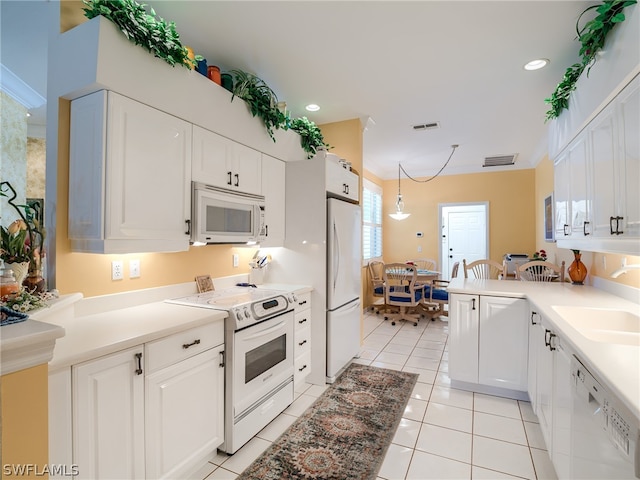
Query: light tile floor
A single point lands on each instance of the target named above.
(445, 433)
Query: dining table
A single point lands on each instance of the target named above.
(427, 276)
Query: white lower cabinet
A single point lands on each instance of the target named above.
(489, 340)
(183, 414)
(302, 339)
(152, 411)
(108, 416)
(552, 391)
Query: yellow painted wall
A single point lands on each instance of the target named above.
(511, 212)
(25, 430)
(598, 264)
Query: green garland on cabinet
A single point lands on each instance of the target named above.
(592, 37)
(153, 34)
(162, 40)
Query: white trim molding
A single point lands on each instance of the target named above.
(13, 85)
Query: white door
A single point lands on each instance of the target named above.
(108, 417)
(344, 255)
(464, 235)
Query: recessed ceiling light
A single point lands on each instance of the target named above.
(536, 64)
(312, 107)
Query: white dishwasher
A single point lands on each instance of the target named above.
(604, 434)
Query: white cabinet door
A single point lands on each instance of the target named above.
(628, 168)
(562, 200)
(544, 382)
(184, 414)
(223, 163)
(129, 177)
(561, 410)
(503, 342)
(342, 182)
(464, 317)
(579, 188)
(604, 151)
(535, 337)
(108, 417)
(273, 189)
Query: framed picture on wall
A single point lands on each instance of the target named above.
(549, 231)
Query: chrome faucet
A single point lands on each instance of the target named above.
(625, 269)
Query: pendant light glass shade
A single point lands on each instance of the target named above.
(399, 214)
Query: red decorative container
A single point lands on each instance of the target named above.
(213, 73)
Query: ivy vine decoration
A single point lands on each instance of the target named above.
(311, 137)
(592, 37)
(262, 101)
(153, 34)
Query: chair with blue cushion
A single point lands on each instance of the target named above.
(436, 303)
(402, 291)
(376, 274)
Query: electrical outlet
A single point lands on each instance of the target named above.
(236, 259)
(134, 268)
(419, 248)
(604, 262)
(117, 268)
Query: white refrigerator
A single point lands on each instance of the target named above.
(322, 249)
(343, 284)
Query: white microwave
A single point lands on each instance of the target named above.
(226, 216)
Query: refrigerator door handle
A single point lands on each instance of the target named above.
(336, 256)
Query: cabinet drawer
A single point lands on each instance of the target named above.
(302, 342)
(177, 347)
(302, 319)
(302, 368)
(303, 301)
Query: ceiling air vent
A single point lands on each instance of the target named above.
(426, 126)
(500, 160)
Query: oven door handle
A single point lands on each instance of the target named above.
(267, 331)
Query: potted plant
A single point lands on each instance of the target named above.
(311, 137)
(262, 101)
(153, 34)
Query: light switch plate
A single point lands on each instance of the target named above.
(134, 268)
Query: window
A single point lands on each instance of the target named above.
(372, 221)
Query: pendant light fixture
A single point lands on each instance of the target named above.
(399, 214)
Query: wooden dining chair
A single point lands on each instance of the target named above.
(376, 274)
(424, 264)
(540, 271)
(485, 269)
(402, 290)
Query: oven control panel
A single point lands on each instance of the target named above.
(245, 315)
(269, 307)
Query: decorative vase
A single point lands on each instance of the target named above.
(20, 270)
(577, 270)
(34, 282)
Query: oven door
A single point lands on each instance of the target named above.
(262, 360)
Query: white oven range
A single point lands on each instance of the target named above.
(258, 356)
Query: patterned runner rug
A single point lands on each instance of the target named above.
(345, 433)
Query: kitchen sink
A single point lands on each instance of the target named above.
(603, 324)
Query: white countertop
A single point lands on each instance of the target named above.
(616, 366)
(102, 325)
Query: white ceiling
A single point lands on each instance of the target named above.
(459, 63)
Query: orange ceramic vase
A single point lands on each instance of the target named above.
(577, 270)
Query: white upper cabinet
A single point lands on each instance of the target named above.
(224, 163)
(596, 179)
(273, 189)
(341, 182)
(129, 177)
